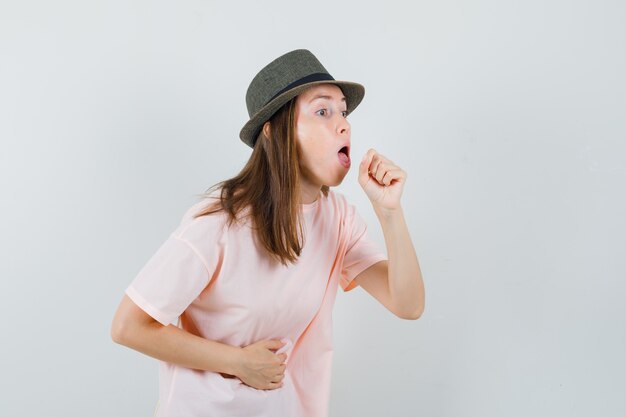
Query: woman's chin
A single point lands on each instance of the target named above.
(330, 180)
(336, 181)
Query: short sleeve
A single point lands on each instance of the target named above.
(361, 251)
(173, 277)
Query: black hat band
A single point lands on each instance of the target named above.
(318, 76)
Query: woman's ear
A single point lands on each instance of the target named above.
(266, 129)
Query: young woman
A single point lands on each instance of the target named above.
(251, 273)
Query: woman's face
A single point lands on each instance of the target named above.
(323, 136)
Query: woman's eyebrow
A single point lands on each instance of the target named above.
(326, 97)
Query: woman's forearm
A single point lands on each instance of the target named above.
(405, 277)
(135, 330)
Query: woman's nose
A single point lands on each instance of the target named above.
(344, 126)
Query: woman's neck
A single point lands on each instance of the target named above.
(309, 193)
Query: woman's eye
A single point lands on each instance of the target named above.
(345, 113)
(322, 112)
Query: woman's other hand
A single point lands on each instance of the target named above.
(382, 180)
(260, 367)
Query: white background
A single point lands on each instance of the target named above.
(509, 117)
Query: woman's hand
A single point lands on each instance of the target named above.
(260, 367)
(381, 180)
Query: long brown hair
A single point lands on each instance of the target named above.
(269, 185)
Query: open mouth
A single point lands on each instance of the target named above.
(344, 156)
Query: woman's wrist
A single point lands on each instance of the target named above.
(234, 360)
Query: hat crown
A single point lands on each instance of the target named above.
(278, 75)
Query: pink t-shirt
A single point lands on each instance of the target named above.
(216, 282)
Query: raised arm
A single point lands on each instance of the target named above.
(398, 283)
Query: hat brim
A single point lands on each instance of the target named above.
(354, 93)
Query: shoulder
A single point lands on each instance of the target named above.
(197, 227)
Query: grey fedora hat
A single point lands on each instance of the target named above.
(283, 79)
